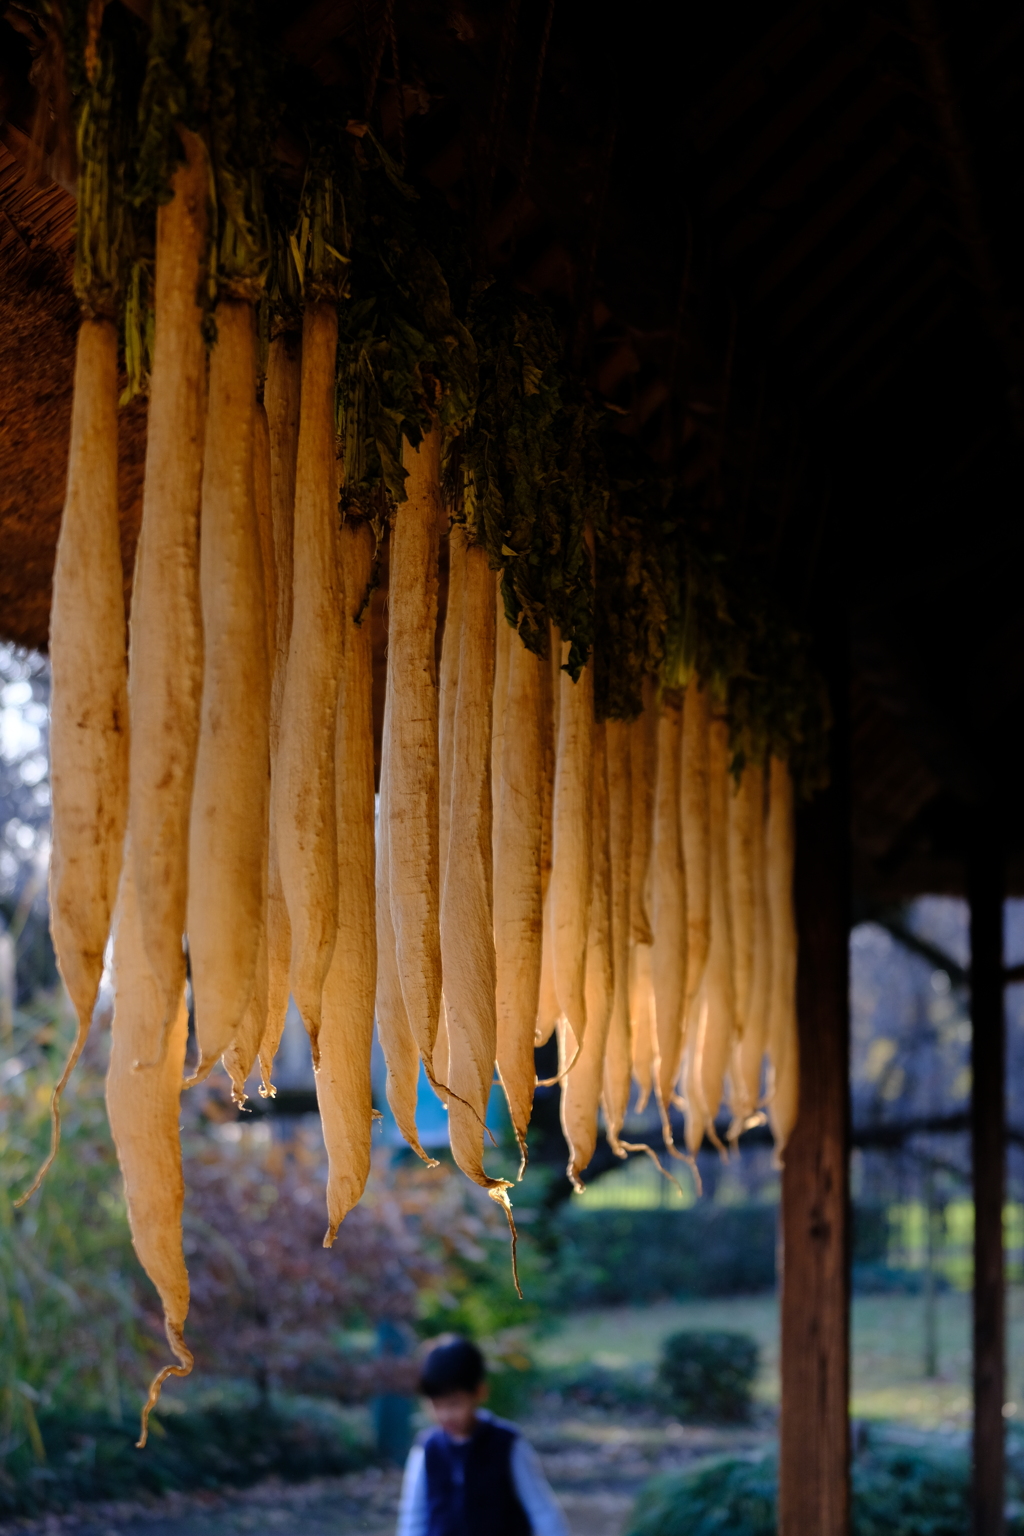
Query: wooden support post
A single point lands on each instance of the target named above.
(988, 1128)
(814, 1428)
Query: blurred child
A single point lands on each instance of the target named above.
(474, 1475)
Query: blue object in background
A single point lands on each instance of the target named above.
(392, 1413)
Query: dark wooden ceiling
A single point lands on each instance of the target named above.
(785, 242)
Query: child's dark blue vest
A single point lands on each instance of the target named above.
(470, 1491)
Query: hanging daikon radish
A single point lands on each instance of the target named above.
(346, 1033)
(518, 910)
(668, 911)
(642, 753)
(143, 1107)
(447, 692)
(282, 395)
(582, 1081)
(241, 1054)
(642, 1022)
(571, 849)
(303, 792)
(401, 1055)
(229, 826)
(783, 1042)
(741, 818)
(618, 1063)
(694, 827)
(502, 650)
(413, 808)
(88, 695)
(716, 1027)
(748, 1052)
(547, 1002)
(166, 654)
(467, 910)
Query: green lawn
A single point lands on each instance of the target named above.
(888, 1348)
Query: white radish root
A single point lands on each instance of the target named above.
(748, 1053)
(88, 696)
(518, 913)
(642, 753)
(413, 804)
(716, 1027)
(467, 912)
(547, 1002)
(582, 1081)
(401, 1055)
(696, 835)
(282, 396)
(571, 846)
(303, 791)
(343, 1085)
(229, 826)
(668, 911)
(642, 1022)
(618, 1065)
(783, 1043)
(143, 1106)
(166, 653)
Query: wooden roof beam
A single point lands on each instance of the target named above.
(909, 251)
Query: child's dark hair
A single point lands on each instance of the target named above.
(456, 1366)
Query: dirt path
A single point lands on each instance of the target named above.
(596, 1462)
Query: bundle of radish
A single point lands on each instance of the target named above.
(782, 1043)
(642, 757)
(343, 1081)
(281, 394)
(89, 673)
(581, 1062)
(668, 911)
(518, 795)
(618, 1051)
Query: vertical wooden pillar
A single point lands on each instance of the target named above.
(988, 1114)
(814, 1430)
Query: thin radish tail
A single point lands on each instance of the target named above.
(55, 1114)
(183, 1355)
(498, 1192)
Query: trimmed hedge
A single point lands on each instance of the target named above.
(90, 1456)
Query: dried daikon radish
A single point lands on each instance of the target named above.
(618, 1065)
(518, 912)
(346, 1032)
(282, 395)
(668, 911)
(642, 754)
(582, 1079)
(642, 1021)
(413, 809)
(166, 653)
(783, 1043)
(304, 811)
(88, 695)
(571, 846)
(467, 911)
(547, 1002)
(229, 826)
(143, 1105)
(748, 1052)
(716, 1027)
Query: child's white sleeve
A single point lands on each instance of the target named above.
(534, 1490)
(412, 1509)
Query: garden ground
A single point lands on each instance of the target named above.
(598, 1459)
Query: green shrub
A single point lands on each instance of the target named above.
(726, 1498)
(90, 1456)
(597, 1386)
(708, 1375)
(897, 1491)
